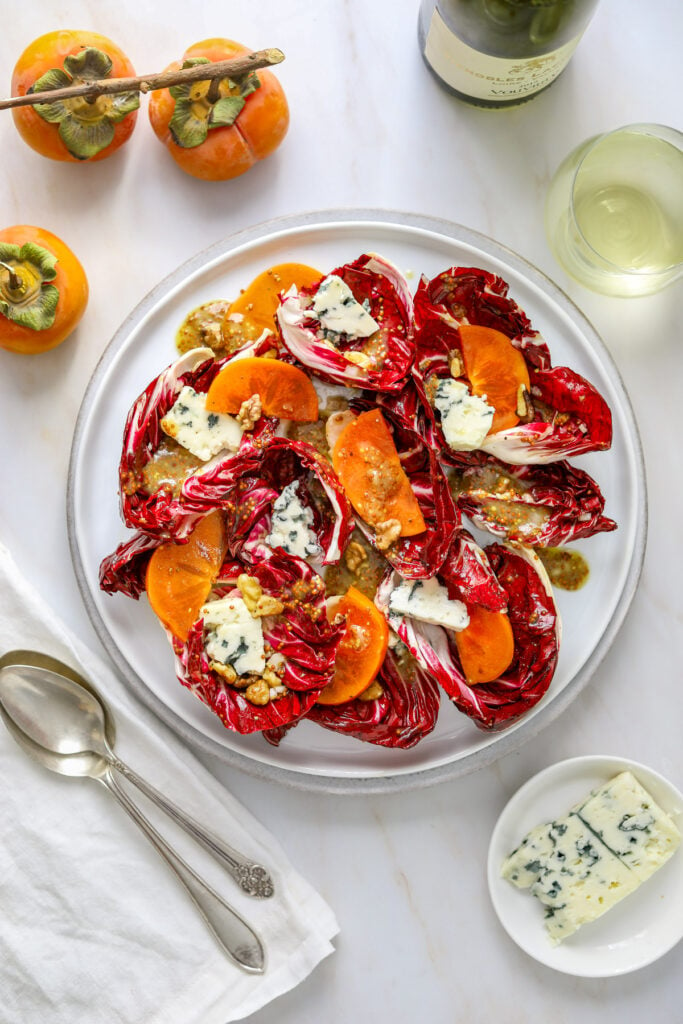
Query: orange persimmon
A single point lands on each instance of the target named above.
(74, 130)
(362, 649)
(222, 137)
(367, 463)
(496, 369)
(285, 390)
(179, 577)
(43, 289)
(486, 646)
(259, 301)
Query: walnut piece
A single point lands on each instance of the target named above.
(226, 672)
(525, 409)
(386, 533)
(258, 692)
(354, 556)
(250, 412)
(456, 364)
(359, 358)
(251, 591)
(373, 691)
(267, 605)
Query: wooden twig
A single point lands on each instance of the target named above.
(236, 67)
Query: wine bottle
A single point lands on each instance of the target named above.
(497, 53)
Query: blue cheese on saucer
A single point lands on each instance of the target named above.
(581, 865)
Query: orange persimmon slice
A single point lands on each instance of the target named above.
(367, 463)
(496, 369)
(285, 390)
(180, 576)
(260, 299)
(486, 647)
(361, 651)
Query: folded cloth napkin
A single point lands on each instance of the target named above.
(94, 928)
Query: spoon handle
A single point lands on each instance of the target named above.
(235, 936)
(251, 877)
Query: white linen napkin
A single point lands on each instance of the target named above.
(94, 928)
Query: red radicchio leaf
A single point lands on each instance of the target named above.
(162, 513)
(468, 575)
(572, 416)
(123, 572)
(250, 506)
(404, 714)
(301, 634)
(536, 630)
(370, 278)
(535, 505)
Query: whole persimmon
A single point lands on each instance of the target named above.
(218, 131)
(43, 289)
(77, 129)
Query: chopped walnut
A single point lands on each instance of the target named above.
(430, 388)
(226, 672)
(386, 533)
(525, 409)
(267, 605)
(271, 677)
(354, 556)
(251, 591)
(258, 692)
(169, 427)
(456, 365)
(250, 412)
(373, 691)
(359, 358)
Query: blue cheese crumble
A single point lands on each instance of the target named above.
(581, 865)
(339, 312)
(428, 601)
(233, 636)
(291, 525)
(203, 433)
(465, 418)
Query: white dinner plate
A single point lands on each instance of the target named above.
(311, 756)
(635, 932)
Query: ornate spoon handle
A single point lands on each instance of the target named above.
(235, 936)
(251, 877)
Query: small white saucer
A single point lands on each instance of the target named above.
(635, 932)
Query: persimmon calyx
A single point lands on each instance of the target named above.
(200, 106)
(86, 124)
(26, 296)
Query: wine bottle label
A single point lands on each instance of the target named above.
(484, 77)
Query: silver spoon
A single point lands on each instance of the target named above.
(63, 712)
(38, 732)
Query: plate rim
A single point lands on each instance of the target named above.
(564, 768)
(505, 743)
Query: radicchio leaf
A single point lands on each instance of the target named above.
(536, 630)
(404, 714)
(301, 634)
(534, 505)
(569, 416)
(378, 283)
(162, 513)
(123, 572)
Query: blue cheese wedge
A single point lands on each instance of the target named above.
(233, 636)
(338, 310)
(203, 433)
(627, 819)
(465, 418)
(291, 525)
(581, 865)
(428, 601)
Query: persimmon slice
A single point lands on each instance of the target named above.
(180, 576)
(486, 647)
(361, 651)
(285, 390)
(367, 463)
(496, 369)
(260, 299)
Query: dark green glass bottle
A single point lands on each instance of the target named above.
(497, 53)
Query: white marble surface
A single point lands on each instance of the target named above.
(370, 127)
